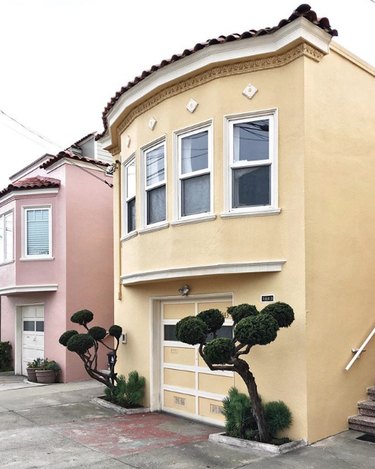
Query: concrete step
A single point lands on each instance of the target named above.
(362, 423)
(367, 408)
(371, 393)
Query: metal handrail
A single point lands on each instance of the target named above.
(360, 350)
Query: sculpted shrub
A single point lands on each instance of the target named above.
(251, 328)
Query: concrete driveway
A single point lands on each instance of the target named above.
(57, 426)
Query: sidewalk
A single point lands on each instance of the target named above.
(57, 426)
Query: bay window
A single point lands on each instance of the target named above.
(129, 196)
(252, 163)
(155, 184)
(194, 152)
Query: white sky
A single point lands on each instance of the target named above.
(62, 60)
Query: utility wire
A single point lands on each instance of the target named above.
(60, 147)
(31, 130)
(91, 174)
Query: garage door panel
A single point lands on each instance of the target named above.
(32, 334)
(179, 402)
(179, 355)
(178, 311)
(221, 306)
(184, 379)
(214, 383)
(211, 408)
(188, 386)
(33, 342)
(202, 363)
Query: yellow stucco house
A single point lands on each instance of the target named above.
(245, 173)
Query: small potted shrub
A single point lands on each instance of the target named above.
(47, 372)
(31, 369)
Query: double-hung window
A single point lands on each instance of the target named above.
(38, 232)
(194, 150)
(129, 196)
(6, 237)
(155, 184)
(252, 149)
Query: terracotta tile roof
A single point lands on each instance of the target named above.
(72, 156)
(35, 182)
(303, 11)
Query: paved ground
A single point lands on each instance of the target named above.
(57, 426)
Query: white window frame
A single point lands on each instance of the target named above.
(272, 208)
(3, 247)
(125, 232)
(179, 135)
(37, 256)
(144, 151)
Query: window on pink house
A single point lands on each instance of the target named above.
(38, 232)
(6, 237)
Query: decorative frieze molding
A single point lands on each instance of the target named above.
(220, 71)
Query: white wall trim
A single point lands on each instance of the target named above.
(299, 30)
(82, 164)
(31, 192)
(196, 219)
(14, 290)
(202, 270)
(252, 213)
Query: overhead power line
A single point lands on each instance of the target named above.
(33, 132)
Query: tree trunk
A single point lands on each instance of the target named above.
(243, 370)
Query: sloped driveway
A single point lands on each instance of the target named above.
(57, 427)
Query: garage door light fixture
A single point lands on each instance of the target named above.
(184, 290)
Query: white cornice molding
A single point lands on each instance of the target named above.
(19, 289)
(82, 164)
(203, 270)
(339, 49)
(299, 30)
(20, 193)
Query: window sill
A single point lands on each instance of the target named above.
(155, 227)
(130, 235)
(194, 220)
(6, 262)
(257, 213)
(36, 258)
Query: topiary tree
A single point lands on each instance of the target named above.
(251, 327)
(86, 346)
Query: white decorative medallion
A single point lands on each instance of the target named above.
(191, 105)
(127, 141)
(249, 91)
(152, 123)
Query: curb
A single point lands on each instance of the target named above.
(119, 409)
(255, 445)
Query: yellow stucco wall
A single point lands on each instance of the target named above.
(280, 367)
(325, 221)
(340, 233)
(235, 239)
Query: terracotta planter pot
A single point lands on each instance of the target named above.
(31, 374)
(46, 376)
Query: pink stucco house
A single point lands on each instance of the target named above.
(56, 253)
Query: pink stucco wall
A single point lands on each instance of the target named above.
(82, 264)
(89, 253)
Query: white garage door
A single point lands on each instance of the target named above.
(32, 334)
(189, 387)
